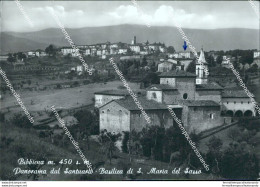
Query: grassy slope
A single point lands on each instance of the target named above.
(28, 142)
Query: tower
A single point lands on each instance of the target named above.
(134, 40)
(201, 77)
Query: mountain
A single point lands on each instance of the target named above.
(11, 44)
(213, 39)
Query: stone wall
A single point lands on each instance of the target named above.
(158, 118)
(186, 85)
(197, 119)
(114, 118)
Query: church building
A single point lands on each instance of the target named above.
(195, 100)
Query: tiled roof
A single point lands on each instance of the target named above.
(129, 104)
(229, 93)
(200, 103)
(161, 87)
(177, 73)
(209, 86)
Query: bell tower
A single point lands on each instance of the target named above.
(201, 76)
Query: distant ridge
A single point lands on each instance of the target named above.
(210, 39)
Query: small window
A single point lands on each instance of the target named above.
(235, 102)
(227, 102)
(154, 95)
(211, 116)
(108, 110)
(242, 102)
(248, 102)
(103, 111)
(185, 96)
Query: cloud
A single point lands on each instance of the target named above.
(88, 14)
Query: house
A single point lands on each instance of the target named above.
(165, 66)
(69, 50)
(136, 48)
(186, 54)
(122, 51)
(99, 52)
(3, 58)
(88, 51)
(114, 45)
(31, 54)
(256, 54)
(226, 60)
(93, 52)
(153, 47)
(113, 51)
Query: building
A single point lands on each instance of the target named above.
(237, 103)
(124, 115)
(256, 54)
(136, 48)
(165, 66)
(197, 102)
(134, 41)
(201, 65)
(69, 50)
(122, 51)
(103, 97)
(3, 58)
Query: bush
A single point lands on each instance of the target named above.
(21, 121)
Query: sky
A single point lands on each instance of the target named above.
(78, 14)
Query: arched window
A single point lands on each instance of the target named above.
(185, 96)
(211, 116)
(154, 95)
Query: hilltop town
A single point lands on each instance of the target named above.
(98, 105)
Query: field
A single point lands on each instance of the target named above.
(61, 98)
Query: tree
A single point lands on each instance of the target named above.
(191, 67)
(11, 58)
(219, 59)
(237, 163)
(151, 78)
(170, 49)
(51, 50)
(214, 144)
(21, 55)
(22, 121)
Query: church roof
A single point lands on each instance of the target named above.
(161, 87)
(209, 86)
(202, 59)
(177, 73)
(201, 103)
(234, 93)
(129, 104)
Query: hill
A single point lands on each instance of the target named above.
(211, 39)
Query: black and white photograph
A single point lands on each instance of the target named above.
(130, 90)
